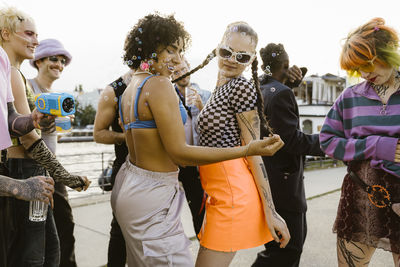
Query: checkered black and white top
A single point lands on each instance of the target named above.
(217, 124)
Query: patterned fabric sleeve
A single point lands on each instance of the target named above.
(336, 144)
(243, 96)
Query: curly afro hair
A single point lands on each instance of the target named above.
(150, 34)
(273, 56)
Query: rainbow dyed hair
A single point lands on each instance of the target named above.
(373, 42)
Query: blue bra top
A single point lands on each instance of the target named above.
(145, 124)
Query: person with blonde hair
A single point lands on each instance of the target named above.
(240, 212)
(11, 123)
(30, 243)
(363, 129)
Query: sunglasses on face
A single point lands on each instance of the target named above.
(240, 57)
(55, 59)
(369, 67)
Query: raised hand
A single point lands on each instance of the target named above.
(294, 74)
(194, 98)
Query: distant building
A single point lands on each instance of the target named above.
(89, 98)
(315, 96)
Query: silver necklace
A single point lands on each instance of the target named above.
(142, 72)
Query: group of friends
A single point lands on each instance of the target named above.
(236, 153)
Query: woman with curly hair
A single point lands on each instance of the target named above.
(146, 197)
(236, 218)
(363, 129)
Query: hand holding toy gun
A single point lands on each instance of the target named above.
(57, 104)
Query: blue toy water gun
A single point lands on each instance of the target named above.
(63, 124)
(57, 104)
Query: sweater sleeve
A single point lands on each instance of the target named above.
(336, 144)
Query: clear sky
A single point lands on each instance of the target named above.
(312, 31)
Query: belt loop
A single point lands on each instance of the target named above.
(3, 156)
(20, 167)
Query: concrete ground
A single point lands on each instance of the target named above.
(93, 216)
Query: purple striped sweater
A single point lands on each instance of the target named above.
(360, 127)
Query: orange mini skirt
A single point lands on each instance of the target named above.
(234, 218)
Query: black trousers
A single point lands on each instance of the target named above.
(189, 176)
(65, 226)
(30, 243)
(289, 256)
(116, 246)
(116, 256)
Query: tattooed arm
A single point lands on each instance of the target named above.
(18, 125)
(249, 124)
(33, 144)
(35, 188)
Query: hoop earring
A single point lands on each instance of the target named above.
(267, 70)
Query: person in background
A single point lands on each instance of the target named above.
(193, 99)
(50, 60)
(34, 188)
(107, 116)
(363, 129)
(31, 243)
(285, 169)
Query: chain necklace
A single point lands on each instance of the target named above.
(142, 72)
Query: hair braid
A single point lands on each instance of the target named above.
(264, 125)
(202, 65)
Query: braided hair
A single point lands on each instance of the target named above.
(264, 125)
(241, 27)
(204, 63)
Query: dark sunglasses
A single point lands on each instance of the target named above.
(240, 57)
(55, 59)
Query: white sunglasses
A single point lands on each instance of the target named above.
(242, 58)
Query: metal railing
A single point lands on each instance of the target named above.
(90, 165)
(93, 165)
(312, 163)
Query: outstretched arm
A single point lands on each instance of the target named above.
(37, 147)
(172, 134)
(284, 120)
(249, 124)
(19, 125)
